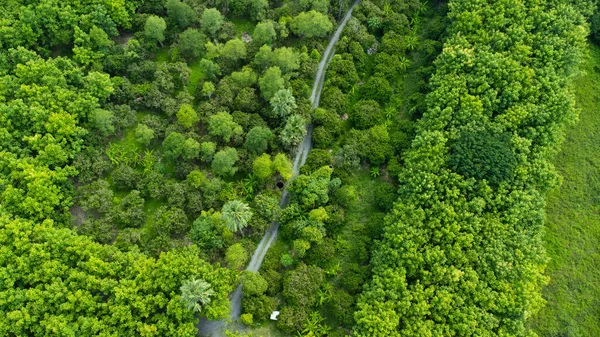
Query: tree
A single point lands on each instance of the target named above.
(259, 9)
(286, 59)
(283, 166)
(234, 50)
(205, 231)
(144, 134)
(126, 282)
(154, 29)
(483, 155)
(186, 116)
(263, 58)
(283, 103)
(207, 150)
(262, 166)
(365, 114)
(294, 131)
(270, 82)
(211, 21)
(222, 125)
(224, 161)
(209, 69)
(180, 14)
(103, 121)
(191, 44)
(300, 286)
(208, 89)
(236, 256)
(311, 24)
(264, 32)
(378, 89)
(266, 205)
(173, 145)
(196, 294)
(312, 190)
(253, 284)
(191, 149)
(257, 139)
(236, 215)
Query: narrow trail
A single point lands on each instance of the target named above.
(215, 328)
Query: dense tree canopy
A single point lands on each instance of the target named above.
(461, 253)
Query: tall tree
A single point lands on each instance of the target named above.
(196, 294)
(236, 215)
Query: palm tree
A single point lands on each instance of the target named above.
(411, 42)
(236, 215)
(195, 294)
(403, 63)
(283, 103)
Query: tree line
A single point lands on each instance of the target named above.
(461, 251)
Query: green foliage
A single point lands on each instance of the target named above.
(46, 261)
(236, 215)
(312, 190)
(144, 134)
(196, 294)
(253, 284)
(247, 319)
(224, 161)
(283, 166)
(262, 166)
(180, 13)
(209, 69)
(311, 24)
(446, 264)
(294, 130)
(236, 256)
(483, 155)
(222, 125)
(257, 139)
(186, 116)
(173, 145)
(271, 82)
(283, 103)
(205, 231)
(234, 50)
(207, 151)
(211, 21)
(264, 33)
(154, 29)
(191, 44)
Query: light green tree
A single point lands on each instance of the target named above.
(187, 116)
(211, 21)
(196, 294)
(236, 215)
(144, 134)
(224, 161)
(262, 166)
(264, 33)
(271, 82)
(311, 24)
(283, 103)
(154, 29)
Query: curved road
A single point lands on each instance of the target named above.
(215, 328)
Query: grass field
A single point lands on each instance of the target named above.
(573, 221)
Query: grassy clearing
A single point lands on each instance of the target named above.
(195, 76)
(267, 329)
(573, 221)
(242, 25)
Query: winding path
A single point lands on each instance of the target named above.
(215, 328)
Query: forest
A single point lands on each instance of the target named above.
(363, 168)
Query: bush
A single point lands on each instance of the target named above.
(246, 319)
